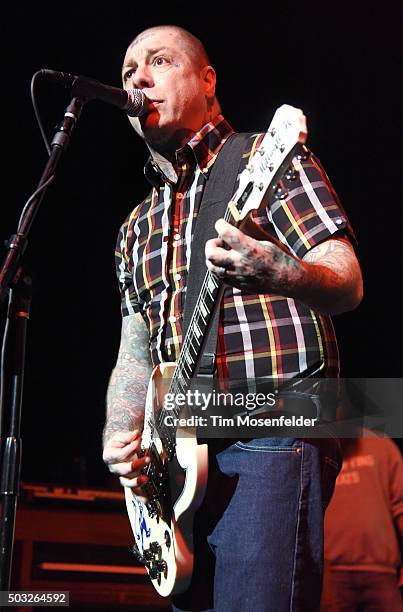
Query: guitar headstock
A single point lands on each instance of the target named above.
(288, 127)
(286, 132)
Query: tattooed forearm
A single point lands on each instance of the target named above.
(129, 380)
(328, 279)
(265, 268)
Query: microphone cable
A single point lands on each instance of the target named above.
(36, 110)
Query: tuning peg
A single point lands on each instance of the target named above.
(291, 174)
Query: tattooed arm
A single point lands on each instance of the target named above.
(125, 402)
(328, 279)
(332, 281)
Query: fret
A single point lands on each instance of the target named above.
(177, 386)
(188, 358)
(203, 310)
(195, 349)
(211, 285)
(204, 320)
(177, 390)
(202, 315)
(197, 332)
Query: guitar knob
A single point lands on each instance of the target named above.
(154, 573)
(162, 567)
(155, 548)
(158, 568)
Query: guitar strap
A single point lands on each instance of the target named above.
(218, 191)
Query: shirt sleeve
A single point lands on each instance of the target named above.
(130, 303)
(312, 212)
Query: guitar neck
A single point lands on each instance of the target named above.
(206, 305)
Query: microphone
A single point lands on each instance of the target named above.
(132, 101)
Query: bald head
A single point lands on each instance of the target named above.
(182, 38)
(172, 68)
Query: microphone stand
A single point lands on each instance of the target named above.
(16, 282)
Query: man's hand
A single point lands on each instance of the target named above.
(255, 266)
(120, 455)
(328, 279)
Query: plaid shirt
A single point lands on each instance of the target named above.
(259, 335)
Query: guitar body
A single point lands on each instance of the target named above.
(163, 526)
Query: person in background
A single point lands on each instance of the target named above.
(364, 528)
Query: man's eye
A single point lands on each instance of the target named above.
(161, 63)
(128, 75)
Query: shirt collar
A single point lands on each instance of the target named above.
(202, 150)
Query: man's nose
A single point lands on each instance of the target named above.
(142, 78)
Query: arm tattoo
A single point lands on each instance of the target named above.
(128, 384)
(335, 269)
(335, 254)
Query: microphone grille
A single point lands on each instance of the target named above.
(136, 102)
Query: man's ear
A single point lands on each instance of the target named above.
(208, 77)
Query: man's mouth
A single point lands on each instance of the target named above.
(153, 106)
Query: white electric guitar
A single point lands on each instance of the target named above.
(163, 526)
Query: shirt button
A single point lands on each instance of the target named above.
(177, 277)
(339, 221)
(177, 237)
(172, 319)
(179, 196)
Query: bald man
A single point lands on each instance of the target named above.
(263, 549)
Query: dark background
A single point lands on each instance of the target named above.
(337, 62)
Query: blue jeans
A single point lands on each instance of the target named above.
(259, 532)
